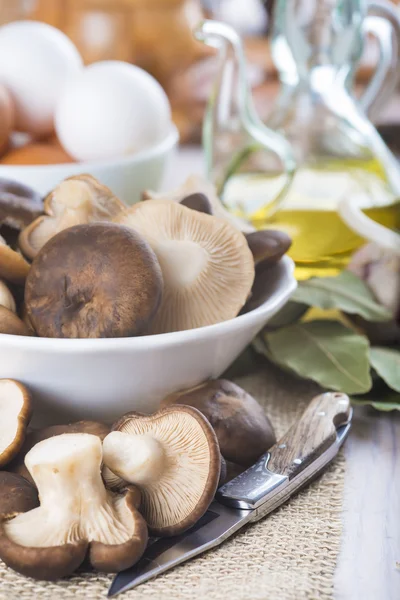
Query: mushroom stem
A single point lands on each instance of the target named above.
(137, 459)
(74, 503)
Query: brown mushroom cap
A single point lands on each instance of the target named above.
(6, 297)
(198, 202)
(51, 541)
(19, 204)
(76, 200)
(15, 414)
(207, 267)
(91, 281)
(13, 266)
(173, 457)
(17, 465)
(11, 324)
(198, 185)
(268, 245)
(17, 495)
(243, 430)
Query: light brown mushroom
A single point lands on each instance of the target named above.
(174, 459)
(11, 324)
(6, 297)
(77, 516)
(15, 414)
(33, 437)
(76, 200)
(207, 267)
(17, 495)
(243, 430)
(19, 204)
(198, 185)
(92, 281)
(13, 266)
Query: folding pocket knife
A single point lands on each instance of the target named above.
(301, 454)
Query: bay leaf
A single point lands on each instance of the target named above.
(381, 397)
(324, 351)
(290, 313)
(386, 362)
(345, 292)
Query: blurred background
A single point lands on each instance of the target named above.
(157, 36)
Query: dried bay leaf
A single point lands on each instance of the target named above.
(346, 292)
(324, 351)
(386, 362)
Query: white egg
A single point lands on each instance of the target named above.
(111, 109)
(36, 60)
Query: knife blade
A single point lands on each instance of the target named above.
(299, 456)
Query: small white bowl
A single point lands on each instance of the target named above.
(127, 176)
(101, 379)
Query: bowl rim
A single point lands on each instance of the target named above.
(60, 345)
(170, 140)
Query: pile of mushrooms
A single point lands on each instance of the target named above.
(87, 493)
(81, 264)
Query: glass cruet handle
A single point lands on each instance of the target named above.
(223, 36)
(383, 23)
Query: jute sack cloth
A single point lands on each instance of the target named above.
(290, 555)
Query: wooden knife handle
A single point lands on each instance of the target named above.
(311, 436)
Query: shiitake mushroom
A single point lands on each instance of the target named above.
(92, 281)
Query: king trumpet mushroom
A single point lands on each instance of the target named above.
(77, 516)
(243, 430)
(207, 266)
(93, 281)
(77, 200)
(173, 457)
(15, 414)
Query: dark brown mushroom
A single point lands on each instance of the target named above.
(268, 246)
(198, 202)
(51, 541)
(11, 324)
(92, 281)
(35, 436)
(17, 495)
(15, 414)
(243, 430)
(19, 204)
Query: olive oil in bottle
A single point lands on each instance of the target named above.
(322, 242)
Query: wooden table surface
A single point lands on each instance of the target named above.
(369, 563)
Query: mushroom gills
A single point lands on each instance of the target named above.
(74, 505)
(173, 457)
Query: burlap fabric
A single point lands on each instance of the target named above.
(291, 555)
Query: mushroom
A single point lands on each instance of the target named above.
(16, 495)
(19, 204)
(198, 185)
(207, 267)
(35, 436)
(76, 200)
(13, 266)
(77, 516)
(11, 324)
(268, 246)
(243, 430)
(6, 297)
(199, 202)
(174, 459)
(15, 414)
(92, 281)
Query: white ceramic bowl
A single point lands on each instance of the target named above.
(102, 379)
(127, 176)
